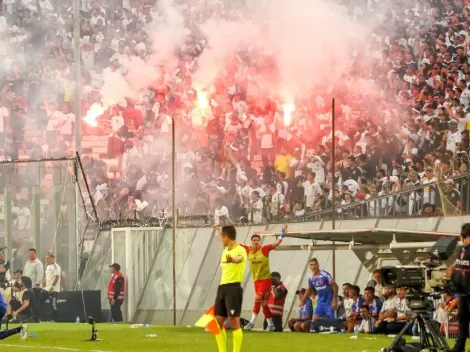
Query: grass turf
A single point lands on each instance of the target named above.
(120, 338)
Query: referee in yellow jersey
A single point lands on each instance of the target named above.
(228, 303)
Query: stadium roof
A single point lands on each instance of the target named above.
(370, 236)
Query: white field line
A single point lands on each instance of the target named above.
(58, 348)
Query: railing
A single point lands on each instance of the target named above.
(422, 200)
(413, 201)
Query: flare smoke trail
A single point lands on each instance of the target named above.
(311, 42)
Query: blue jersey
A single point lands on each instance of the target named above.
(375, 306)
(356, 306)
(3, 303)
(307, 309)
(322, 284)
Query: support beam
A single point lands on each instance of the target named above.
(298, 234)
(365, 247)
(412, 245)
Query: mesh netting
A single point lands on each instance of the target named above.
(44, 204)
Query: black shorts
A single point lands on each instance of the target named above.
(228, 302)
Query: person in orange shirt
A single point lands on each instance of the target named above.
(258, 255)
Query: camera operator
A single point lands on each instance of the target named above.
(459, 273)
(20, 302)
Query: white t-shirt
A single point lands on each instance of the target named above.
(257, 212)
(52, 270)
(267, 136)
(277, 202)
(319, 171)
(463, 122)
(55, 119)
(400, 306)
(223, 211)
(453, 139)
(311, 192)
(347, 304)
(66, 129)
(166, 124)
(388, 304)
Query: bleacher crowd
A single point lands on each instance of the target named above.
(236, 158)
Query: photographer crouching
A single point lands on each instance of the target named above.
(459, 273)
(19, 299)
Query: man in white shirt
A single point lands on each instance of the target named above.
(277, 200)
(51, 283)
(398, 314)
(34, 269)
(266, 134)
(311, 189)
(255, 209)
(387, 312)
(453, 136)
(347, 302)
(376, 283)
(367, 325)
(221, 212)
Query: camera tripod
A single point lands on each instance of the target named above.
(430, 336)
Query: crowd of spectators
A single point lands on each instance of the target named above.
(236, 159)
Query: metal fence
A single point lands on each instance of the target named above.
(431, 199)
(44, 204)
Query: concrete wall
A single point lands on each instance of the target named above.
(198, 252)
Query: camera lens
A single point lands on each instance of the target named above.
(389, 277)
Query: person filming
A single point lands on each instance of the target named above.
(459, 273)
(19, 305)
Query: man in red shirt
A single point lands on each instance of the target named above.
(258, 256)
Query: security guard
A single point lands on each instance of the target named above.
(459, 273)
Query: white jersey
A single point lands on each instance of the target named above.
(347, 304)
(52, 270)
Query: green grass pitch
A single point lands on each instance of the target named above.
(122, 338)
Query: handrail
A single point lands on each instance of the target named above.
(384, 197)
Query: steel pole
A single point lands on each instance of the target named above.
(175, 213)
(333, 197)
(77, 42)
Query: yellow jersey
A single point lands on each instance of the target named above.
(233, 272)
(260, 269)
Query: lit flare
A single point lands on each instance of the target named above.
(202, 100)
(287, 109)
(93, 113)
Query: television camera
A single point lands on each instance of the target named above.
(424, 284)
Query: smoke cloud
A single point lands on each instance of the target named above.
(311, 43)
